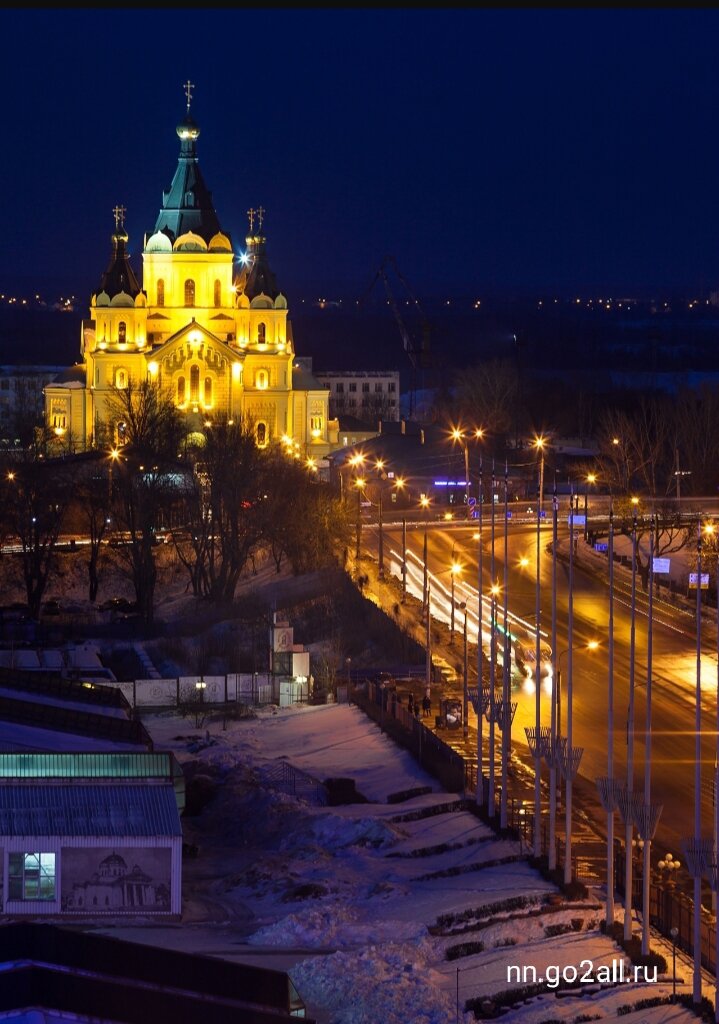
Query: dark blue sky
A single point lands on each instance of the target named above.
(556, 151)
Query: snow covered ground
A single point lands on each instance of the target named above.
(365, 904)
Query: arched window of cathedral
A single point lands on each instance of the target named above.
(160, 292)
(261, 434)
(194, 383)
(122, 332)
(261, 334)
(180, 390)
(189, 292)
(262, 380)
(218, 293)
(208, 391)
(121, 379)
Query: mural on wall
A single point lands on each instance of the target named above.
(102, 880)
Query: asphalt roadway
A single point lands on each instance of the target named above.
(674, 660)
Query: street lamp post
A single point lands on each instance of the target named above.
(359, 484)
(674, 932)
(454, 571)
(459, 437)
(492, 701)
(591, 479)
(424, 503)
(539, 443)
(506, 722)
(627, 809)
(480, 642)
(404, 559)
(465, 693)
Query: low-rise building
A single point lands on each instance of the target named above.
(370, 395)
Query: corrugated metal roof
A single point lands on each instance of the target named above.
(94, 810)
(99, 765)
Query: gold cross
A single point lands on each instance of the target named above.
(119, 212)
(251, 214)
(188, 87)
(261, 215)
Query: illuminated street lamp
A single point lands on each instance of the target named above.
(459, 437)
(539, 443)
(494, 591)
(591, 481)
(424, 503)
(359, 483)
(455, 569)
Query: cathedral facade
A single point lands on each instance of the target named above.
(211, 331)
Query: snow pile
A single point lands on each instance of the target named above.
(336, 924)
(391, 985)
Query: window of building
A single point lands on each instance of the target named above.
(340, 388)
(365, 387)
(194, 383)
(353, 387)
(180, 390)
(262, 379)
(261, 334)
(365, 401)
(315, 425)
(31, 876)
(160, 292)
(208, 391)
(378, 388)
(189, 292)
(122, 332)
(261, 434)
(392, 387)
(353, 403)
(218, 293)
(121, 379)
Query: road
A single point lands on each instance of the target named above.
(674, 662)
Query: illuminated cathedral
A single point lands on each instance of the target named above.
(211, 329)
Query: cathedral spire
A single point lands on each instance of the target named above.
(119, 275)
(187, 204)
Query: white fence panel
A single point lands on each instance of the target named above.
(159, 693)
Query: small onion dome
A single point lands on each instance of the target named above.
(122, 299)
(261, 301)
(159, 242)
(120, 235)
(220, 243)
(188, 129)
(102, 299)
(190, 242)
(280, 302)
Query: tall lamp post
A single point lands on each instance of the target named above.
(539, 443)
(454, 570)
(424, 505)
(591, 645)
(459, 437)
(359, 483)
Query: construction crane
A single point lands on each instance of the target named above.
(417, 349)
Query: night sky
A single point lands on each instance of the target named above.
(508, 151)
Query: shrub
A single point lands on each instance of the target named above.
(464, 949)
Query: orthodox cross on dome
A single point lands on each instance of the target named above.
(188, 87)
(251, 214)
(261, 215)
(119, 212)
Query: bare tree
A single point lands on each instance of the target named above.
(696, 415)
(36, 494)
(146, 478)
(487, 394)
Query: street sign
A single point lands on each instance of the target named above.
(704, 583)
(662, 565)
(542, 515)
(577, 520)
(603, 546)
(509, 515)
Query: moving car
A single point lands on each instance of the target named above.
(525, 654)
